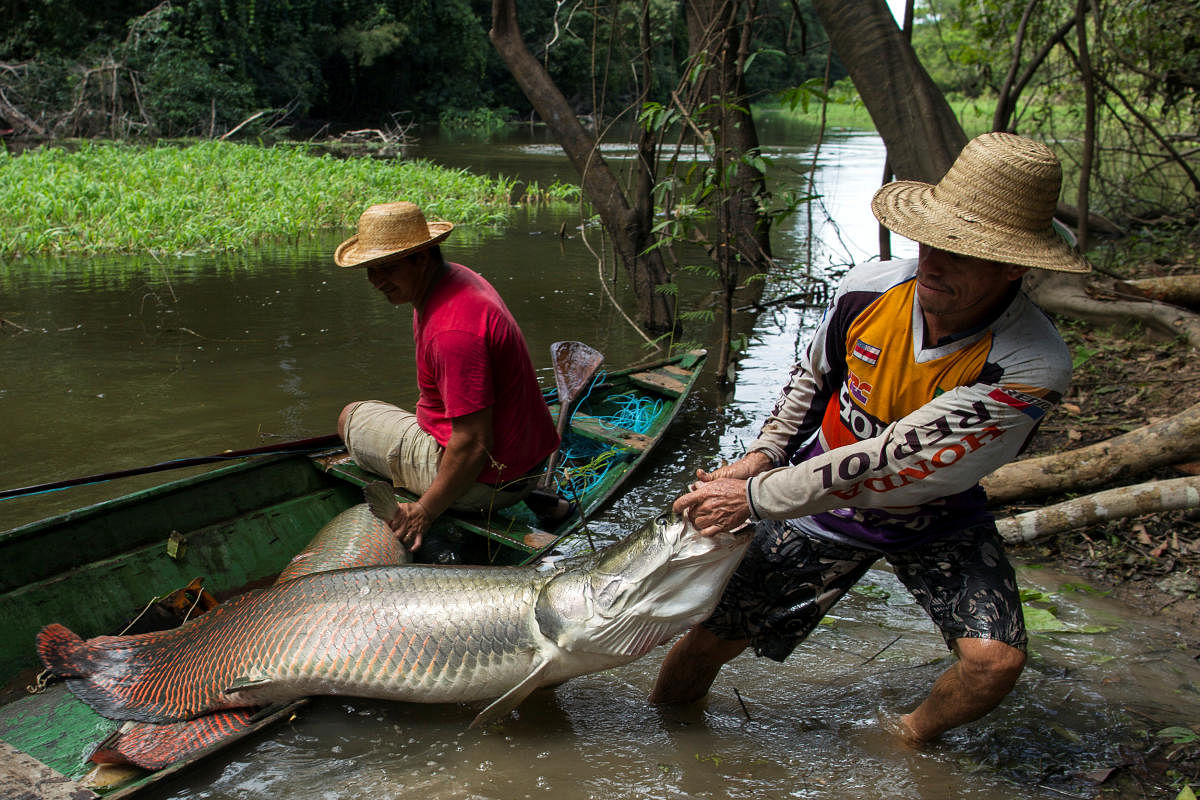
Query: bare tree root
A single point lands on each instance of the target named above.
(1171, 441)
(1126, 501)
(1067, 295)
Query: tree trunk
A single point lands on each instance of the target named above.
(1126, 501)
(1171, 441)
(628, 224)
(918, 126)
(1089, 122)
(718, 40)
(719, 33)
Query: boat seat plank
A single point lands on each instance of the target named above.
(593, 428)
(662, 381)
(23, 777)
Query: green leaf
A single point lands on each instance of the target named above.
(1179, 735)
(872, 591)
(1042, 621)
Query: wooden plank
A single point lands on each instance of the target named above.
(592, 428)
(23, 777)
(656, 381)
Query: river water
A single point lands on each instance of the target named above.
(114, 363)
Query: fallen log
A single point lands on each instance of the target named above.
(1126, 501)
(1170, 441)
(1067, 295)
(1178, 290)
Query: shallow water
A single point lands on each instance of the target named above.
(131, 361)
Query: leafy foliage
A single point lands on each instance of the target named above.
(203, 66)
(1146, 64)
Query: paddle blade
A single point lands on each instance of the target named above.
(574, 365)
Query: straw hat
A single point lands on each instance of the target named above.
(387, 232)
(996, 202)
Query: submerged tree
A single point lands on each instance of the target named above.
(627, 214)
(708, 188)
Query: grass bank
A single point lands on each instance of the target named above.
(846, 110)
(114, 198)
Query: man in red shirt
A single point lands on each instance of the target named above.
(482, 431)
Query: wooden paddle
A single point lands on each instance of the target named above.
(574, 366)
(296, 446)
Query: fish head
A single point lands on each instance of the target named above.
(640, 591)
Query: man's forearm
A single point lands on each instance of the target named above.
(459, 468)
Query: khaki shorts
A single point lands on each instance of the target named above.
(388, 441)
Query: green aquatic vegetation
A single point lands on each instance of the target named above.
(114, 198)
(1177, 734)
(871, 590)
(1042, 615)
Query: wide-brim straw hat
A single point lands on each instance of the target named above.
(387, 232)
(996, 202)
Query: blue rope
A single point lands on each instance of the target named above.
(585, 464)
(634, 412)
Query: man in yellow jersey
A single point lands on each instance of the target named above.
(923, 376)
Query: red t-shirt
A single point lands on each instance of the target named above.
(471, 355)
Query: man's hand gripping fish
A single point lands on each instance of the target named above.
(414, 633)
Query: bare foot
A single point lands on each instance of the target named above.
(898, 726)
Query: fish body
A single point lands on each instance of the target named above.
(418, 633)
(357, 537)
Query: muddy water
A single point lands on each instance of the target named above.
(132, 361)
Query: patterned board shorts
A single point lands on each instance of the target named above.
(789, 579)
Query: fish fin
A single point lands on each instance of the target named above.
(63, 652)
(156, 746)
(381, 499)
(243, 682)
(512, 698)
(632, 637)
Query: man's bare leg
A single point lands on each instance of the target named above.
(984, 674)
(692, 665)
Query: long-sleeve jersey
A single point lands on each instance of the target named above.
(882, 439)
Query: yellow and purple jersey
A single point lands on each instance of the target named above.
(881, 436)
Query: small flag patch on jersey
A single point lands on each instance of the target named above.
(1026, 404)
(865, 352)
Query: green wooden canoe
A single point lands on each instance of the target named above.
(96, 568)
